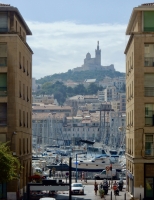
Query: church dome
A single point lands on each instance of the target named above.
(88, 56)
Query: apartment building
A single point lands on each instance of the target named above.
(140, 102)
(15, 92)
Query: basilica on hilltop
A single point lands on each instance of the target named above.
(94, 63)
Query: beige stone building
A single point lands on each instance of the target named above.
(140, 102)
(15, 91)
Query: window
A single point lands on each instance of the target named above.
(148, 21)
(16, 26)
(20, 124)
(3, 114)
(149, 114)
(149, 145)
(24, 145)
(149, 55)
(27, 119)
(24, 118)
(3, 54)
(24, 64)
(3, 84)
(27, 68)
(3, 22)
(149, 85)
(23, 91)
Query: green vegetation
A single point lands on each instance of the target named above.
(61, 92)
(99, 75)
(9, 164)
(52, 85)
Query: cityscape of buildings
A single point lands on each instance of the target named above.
(112, 117)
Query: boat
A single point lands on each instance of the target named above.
(96, 164)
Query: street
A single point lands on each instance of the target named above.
(90, 195)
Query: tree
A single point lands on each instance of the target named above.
(9, 164)
(80, 89)
(92, 88)
(60, 97)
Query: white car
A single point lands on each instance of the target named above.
(77, 188)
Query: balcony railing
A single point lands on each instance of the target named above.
(3, 91)
(149, 61)
(149, 91)
(3, 122)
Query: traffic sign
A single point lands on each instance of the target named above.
(107, 168)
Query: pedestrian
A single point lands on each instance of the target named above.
(95, 187)
(82, 177)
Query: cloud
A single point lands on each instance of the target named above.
(61, 46)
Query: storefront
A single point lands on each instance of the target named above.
(149, 181)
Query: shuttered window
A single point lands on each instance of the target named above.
(149, 85)
(3, 22)
(149, 21)
(149, 80)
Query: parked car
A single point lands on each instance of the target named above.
(77, 188)
(106, 174)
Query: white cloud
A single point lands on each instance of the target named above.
(61, 46)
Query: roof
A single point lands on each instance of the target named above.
(7, 7)
(41, 116)
(143, 7)
(90, 80)
(49, 107)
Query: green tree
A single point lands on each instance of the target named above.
(9, 165)
(60, 98)
(80, 89)
(92, 88)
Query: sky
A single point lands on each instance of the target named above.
(64, 31)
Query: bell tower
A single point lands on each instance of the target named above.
(98, 55)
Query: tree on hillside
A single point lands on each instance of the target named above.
(92, 88)
(9, 165)
(60, 97)
(80, 89)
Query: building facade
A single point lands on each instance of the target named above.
(15, 92)
(140, 102)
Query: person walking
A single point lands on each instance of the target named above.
(83, 176)
(95, 187)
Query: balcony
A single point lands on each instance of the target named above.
(3, 122)
(149, 61)
(149, 91)
(3, 91)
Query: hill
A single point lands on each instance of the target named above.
(80, 76)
